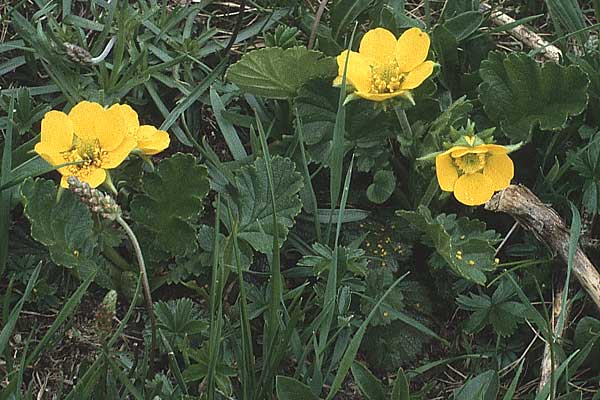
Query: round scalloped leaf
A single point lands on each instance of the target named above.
(519, 94)
(384, 183)
(65, 226)
(277, 73)
(250, 202)
(173, 198)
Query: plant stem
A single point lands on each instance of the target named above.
(145, 284)
(401, 114)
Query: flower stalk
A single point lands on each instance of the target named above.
(105, 206)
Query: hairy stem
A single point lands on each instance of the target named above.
(145, 284)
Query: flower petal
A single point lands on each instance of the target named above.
(117, 155)
(418, 75)
(500, 169)
(378, 46)
(379, 96)
(468, 150)
(473, 189)
(85, 115)
(129, 116)
(95, 177)
(57, 131)
(495, 148)
(49, 153)
(412, 49)
(446, 172)
(151, 140)
(111, 130)
(359, 70)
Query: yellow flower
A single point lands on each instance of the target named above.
(474, 173)
(89, 134)
(149, 140)
(384, 67)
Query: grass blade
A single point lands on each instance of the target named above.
(247, 366)
(64, 313)
(352, 349)
(227, 129)
(11, 322)
(216, 304)
(6, 197)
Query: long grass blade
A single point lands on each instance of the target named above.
(276, 293)
(352, 349)
(216, 304)
(64, 313)
(6, 197)
(11, 322)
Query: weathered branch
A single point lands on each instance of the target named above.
(524, 35)
(546, 368)
(547, 226)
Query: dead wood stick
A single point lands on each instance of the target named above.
(524, 35)
(546, 369)
(547, 226)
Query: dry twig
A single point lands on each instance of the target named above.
(547, 226)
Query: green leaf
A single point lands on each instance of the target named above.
(292, 389)
(277, 73)
(401, 389)
(250, 202)
(588, 328)
(172, 199)
(463, 25)
(384, 183)
(481, 387)
(345, 12)
(519, 94)
(464, 244)
(368, 384)
(65, 227)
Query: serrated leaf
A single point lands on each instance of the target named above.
(519, 94)
(250, 202)
(384, 183)
(172, 199)
(464, 244)
(64, 227)
(277, 73)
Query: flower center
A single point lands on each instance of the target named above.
(386, 78)
(470, 163)
(89, 154)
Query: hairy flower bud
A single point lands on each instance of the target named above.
(96, 200)
(77, 54)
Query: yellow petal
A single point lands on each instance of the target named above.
(412, 49)
(418, 75)
(85, 117)
(57, 131)
(473, 189)
(378, 46)
(119, 154)
(468, 150)
(95, 177)
(494, 148)
(379, 96)
(151, 140)
(129, 116)
(111, 130)
(500, 169)
(48, 153)
(359, 70)
(446, 172)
